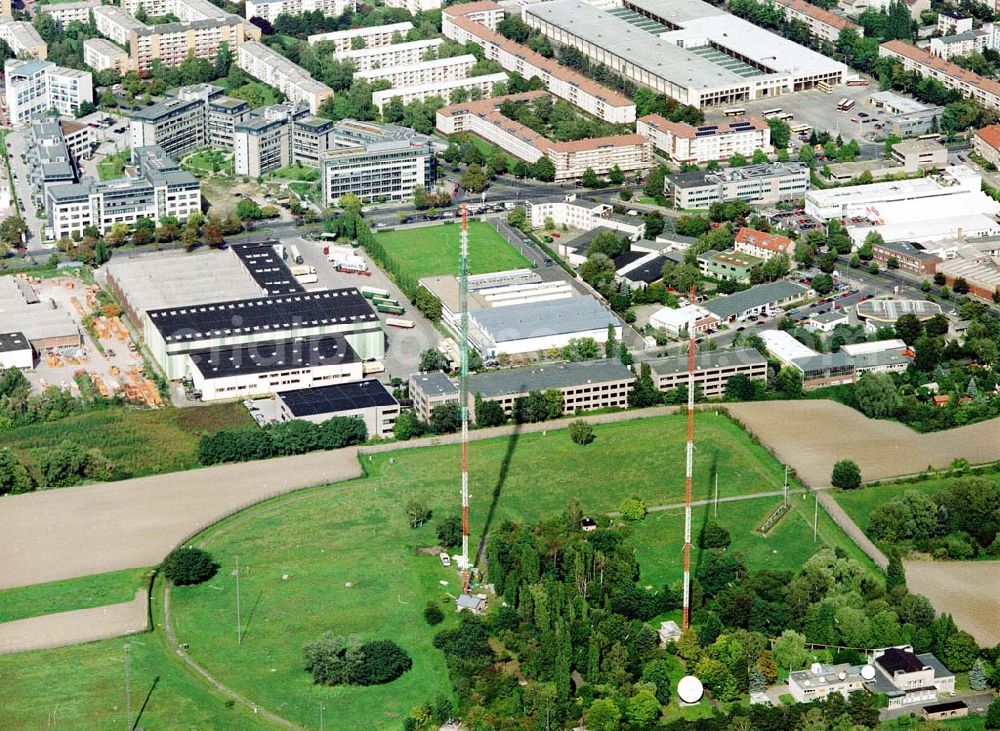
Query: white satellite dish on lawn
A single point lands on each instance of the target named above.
(868, 672)
(690, 689)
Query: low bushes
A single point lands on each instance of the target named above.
(242, 444)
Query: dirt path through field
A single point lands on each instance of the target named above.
(968, 590)
(811, 436)
(74, 627)
(91, 529)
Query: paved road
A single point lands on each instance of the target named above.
(75, 627)
(91, 529)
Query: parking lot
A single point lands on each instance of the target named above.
(819, 111)
(403, 345)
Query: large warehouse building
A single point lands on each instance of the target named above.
(687, 49)
(172, 333)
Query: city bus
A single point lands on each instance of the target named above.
(800, 129)
(771, 112)
(845, 105)
(398, 322)
(373, 292)
(824, 87)
(931, 136)
(734, 112)
(857, 82)
(785, 117)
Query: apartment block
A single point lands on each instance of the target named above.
(185, 10)
(396, 54)
(172, 43)
(767, 183)
(763, 245)
(101, 54)
(414, 6)
(712, 370)
(481, 85)
(476, 22)
(160, 188)
(49, 159)
(582, 214)
(371, 37)
(275, 70)
(222, 115)
(269, 10)
(263, 142)
(66, 13)
(985, 91)
(822, 24)
(38, 86)
(686, 143)
(423, 72)
(22, 38)
(116, 24)
(571, 159)
(389, 170)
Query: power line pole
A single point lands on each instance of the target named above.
(786, 486)
(128, 691)
(239, 622)
(815, 514)
(716, 494)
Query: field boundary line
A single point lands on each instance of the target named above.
(218, 685)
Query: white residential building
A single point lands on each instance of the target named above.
(482, 85)
(582, 214)
(822, 24)
(159, 189)
(275, 70)
(66, 13)
(389, 170)
(38, 86)
(966, 42)
(22, 38)
(396, 54)
(984, 90)
(424, 72)
(376, 35)
(686, 143)
(101, 54)
(269, 10)
(185, 10)
(414, 6)
(116, 24)
(674, 321)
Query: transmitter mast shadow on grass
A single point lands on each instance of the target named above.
(497, 489)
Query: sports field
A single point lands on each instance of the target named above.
(433, 250)
(353, 565)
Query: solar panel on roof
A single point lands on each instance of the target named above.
(337, 398)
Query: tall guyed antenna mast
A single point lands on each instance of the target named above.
(463, 387)
(689, 468)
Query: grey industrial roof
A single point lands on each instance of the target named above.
(435, 384)
(494, 384)
(620, 37)
(22, 311)
(822, 361)
(705, 360)
(875, 360)
(827, 317)
(907, 249)
(176, 279)
(541, 319)
(739, 302)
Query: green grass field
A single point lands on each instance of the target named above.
(208, 161)
(297, 172)
(353, 565)
(112, 167)
(83, 687)
(433, 250)
(63, 596)
(137, 441)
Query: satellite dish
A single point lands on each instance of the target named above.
(868, 672)
(815, 668)
(690, 689)
(842, 675)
